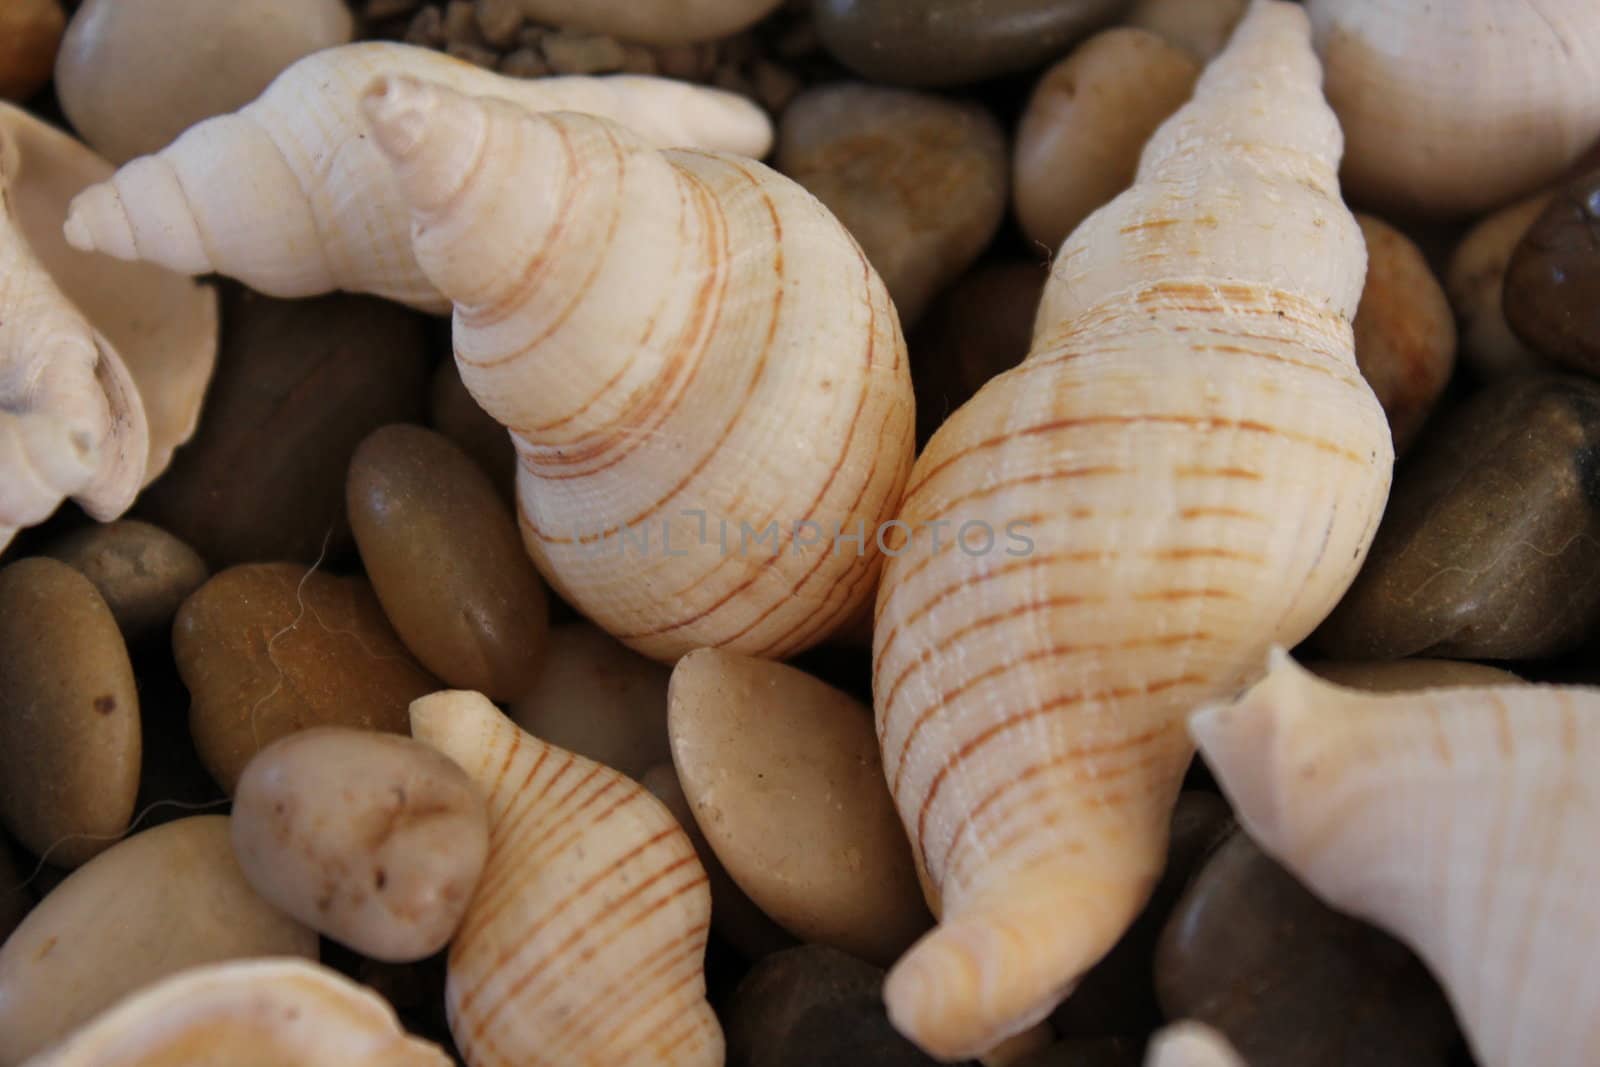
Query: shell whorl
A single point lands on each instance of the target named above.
(1197, 468)
(585, 939)
(1461, 820)
(288, 196)
(685, 346)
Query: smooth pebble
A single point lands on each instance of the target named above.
(453, 412)
(1200, 27)
(1475, 283)
(1407, 675)
(1552, 287)
(142, 571)
(678, 22)
(30, 33)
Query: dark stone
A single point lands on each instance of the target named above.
(1118, 995)
(813, 1006)
(1487, 550)
(1089, 1052)
(1552, 293)
(955, 42)
(1289, 981)
(298, 385)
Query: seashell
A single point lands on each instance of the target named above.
(1199, 27)
(1460, 820)
(102, 366)
(585, 941)
(289, 196)
(697, 430)
(250, 1012)
(1191, 1044)
(1130, 518)
(1451, 109)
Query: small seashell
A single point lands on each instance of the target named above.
(1451, 109)
(585, 941)
(1191, 1044)
(1460, 820)
(268, 1012)
(323, 211)
(30, 32)
(1199, 27)
(102, 365)
(693, 453)
(374, 840)
(157, 903)
(783, 775)
(1475, 283)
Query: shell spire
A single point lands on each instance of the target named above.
(1187, 469)
(288, 195)
(704, 378)
(1461, 820)
(585, 940)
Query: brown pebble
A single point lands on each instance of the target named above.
(600, 699)
(373, 840)
(785, 780)
(576, 52)
(1406, 675)
(69, 714)
(298, 385)
(271, 648)
(1405, 333)
(443, 553)
(453, 412)
(1486, 549)
(476, 54)
(461, 23)
(30, 33)
(15, 900)
(378, 10)
(141, 571)
(1475, 283)
(1552, 288)
(427, 28)
(499, 21)
(522, 63)
(920, 181)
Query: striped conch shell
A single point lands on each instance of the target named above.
(247, 1013)
(1187, 468)
(102, 365)
(705, 379)
(290, 196)
(1455, 108)
(1460, 820)
(1191, 1044)
(586, 938)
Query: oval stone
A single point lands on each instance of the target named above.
(271, 648)
(299, 383)
(1476, 282)
(158, 903)
(1408, 675)
(1552, 294)
(954, 42)
(1486, 550)
(784, 777)
(142, 571)
(69, 714)
(918, 180)
(443, 553)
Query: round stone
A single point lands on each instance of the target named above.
(141, 571)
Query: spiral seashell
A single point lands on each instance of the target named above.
(266, 1012)
(1186, 469)
(102, 365)
(585, 940)
(290, 196)
(1461, 820)
(1451, 109)
(1191, 1044)
(705, 380)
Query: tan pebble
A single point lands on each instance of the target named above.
(599, 699)
(69, 714)
(461, 23)
(134, 74)
(1199, 27)
(158, 903)
(444, 555)
(267, 649)
(476, 54)
(1476, 285)
(740, 922)
(375, 841)
(451, 409)
(142, 571)
(522, 63)
(1404, 675)
(30, 32)
(1086, 124)
(1405, 335)
(785, 780)
(570, 52)
(499, 21)
(427, 28)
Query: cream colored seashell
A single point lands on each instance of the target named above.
(1450, 109)
(1460, 820)
(251, 1013)
(585, 941)
(102, 366)
(290, 196)
(1476, 284)
(1187, 468)
(704, 377)
(1191, 1044)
